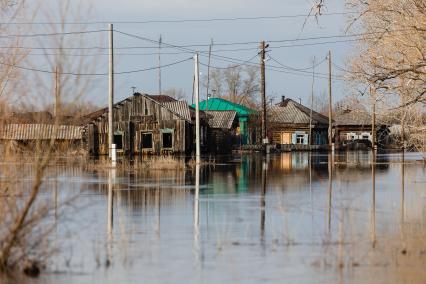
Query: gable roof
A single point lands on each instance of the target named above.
(178, 108)
(289, 111)
(352, 117)
(221, 119)
(218, 104)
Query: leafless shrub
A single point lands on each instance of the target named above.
(26, 215)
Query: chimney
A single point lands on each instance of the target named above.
(282, 99)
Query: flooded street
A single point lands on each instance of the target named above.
(291, 217)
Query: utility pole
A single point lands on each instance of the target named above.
(57, 99)
(330, 106)
(373, 118)
(197, 110)
(263, 47)
(159, 64)
(208, 74)
(111, 94)
(312, 102)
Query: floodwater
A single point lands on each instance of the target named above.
(291, 217)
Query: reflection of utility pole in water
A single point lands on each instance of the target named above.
(263, 202)
(310, 194)
(330, 190)
(110, 212)
(158, 204)
(373, 205)
(402, 196)
(197, 216)
(55, 193)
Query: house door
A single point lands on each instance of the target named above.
(285, 138)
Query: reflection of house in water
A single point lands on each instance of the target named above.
(292, 161)
(360, 160)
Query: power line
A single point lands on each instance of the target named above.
(181, 20)
(51, 34)
(185, 47)
(303, 70)
(279, 71)
(234, 66)
(93, 74)
(269, 41)
(125, 54)
(298, 69)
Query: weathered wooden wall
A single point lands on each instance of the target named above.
(133, 116)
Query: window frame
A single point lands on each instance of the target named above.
(152, 140)
(167, 131)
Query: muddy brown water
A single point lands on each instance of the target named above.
(292, 218)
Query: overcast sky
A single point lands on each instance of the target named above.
(180, 76)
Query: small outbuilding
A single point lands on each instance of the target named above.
(222, 131)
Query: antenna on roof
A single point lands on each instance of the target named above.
(133, 90)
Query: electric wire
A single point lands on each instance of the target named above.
(94, 74)
(349, 38)
(182, 20)
(51, 34)
(297, 69)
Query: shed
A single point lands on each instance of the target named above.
(222, 132)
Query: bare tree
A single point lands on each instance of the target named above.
(175, 93)
(236, 84)
(24, 224)
(391, 58)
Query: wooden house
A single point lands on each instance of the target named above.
(145, 124)
(246, 117)
(353, 126)
(289, 124)
(222, 131)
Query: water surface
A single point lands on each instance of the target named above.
(292, 217)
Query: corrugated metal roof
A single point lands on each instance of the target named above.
(39, 132)
(218, 104)
(291, 112)
(162, 98)
(221, 119)
(179, 107)
(352, 117)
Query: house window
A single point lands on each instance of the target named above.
(146, 140)
(118, 141)
(300, 139)
(167, 140)
(365, 136)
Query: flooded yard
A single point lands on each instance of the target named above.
(291, 217)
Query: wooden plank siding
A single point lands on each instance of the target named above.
(134, 116)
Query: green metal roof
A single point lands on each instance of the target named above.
(218, 104)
